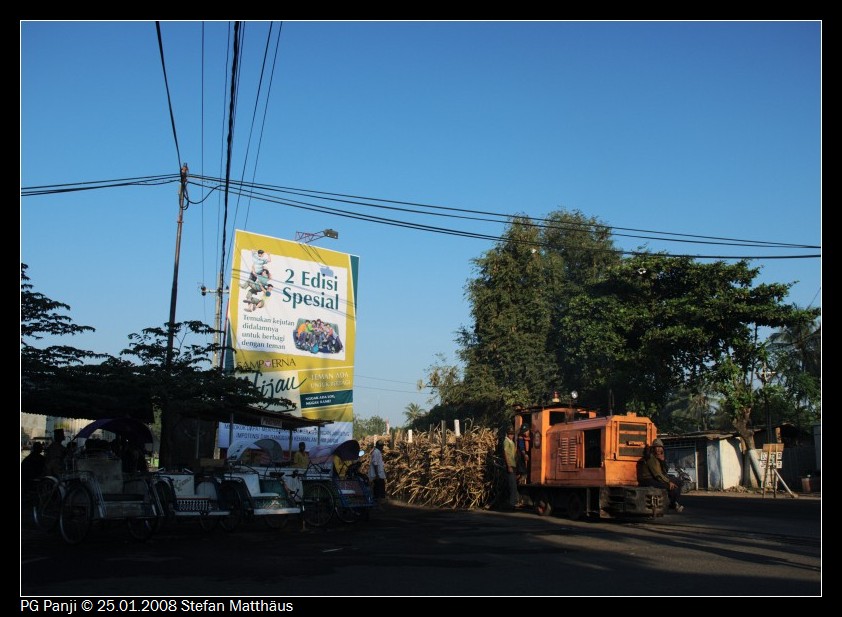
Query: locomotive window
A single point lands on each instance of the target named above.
(557, 417)
(593, 448)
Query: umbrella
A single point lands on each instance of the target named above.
(271, 447)
(347, 451)
(128, 428)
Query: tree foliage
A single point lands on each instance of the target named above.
(364, 427)
(519, 297)
(52, 376)
(189, 396)
(556, 307)
(413, 412)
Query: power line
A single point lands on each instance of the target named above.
(167, 85)
(496, 238)
(251, 127)
(335, 196)
(249, 189)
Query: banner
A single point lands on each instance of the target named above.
(292, 325)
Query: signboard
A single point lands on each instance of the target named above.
(773, 452)
(292, 325)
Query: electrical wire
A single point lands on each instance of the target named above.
(167, 85)
(233, 188)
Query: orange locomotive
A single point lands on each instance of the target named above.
(585, 464)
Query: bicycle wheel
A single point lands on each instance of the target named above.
(47, 508)
(77, 510)
(318, 505)
(231, 500)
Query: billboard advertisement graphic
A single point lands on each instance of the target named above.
(292, 326)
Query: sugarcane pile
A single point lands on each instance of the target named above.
(440, 469)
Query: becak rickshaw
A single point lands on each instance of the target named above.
(340, 469)
(101, 481)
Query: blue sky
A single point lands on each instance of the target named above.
(704, 128)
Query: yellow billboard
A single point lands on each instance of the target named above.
(292, 322)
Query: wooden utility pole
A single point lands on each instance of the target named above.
(168, 421)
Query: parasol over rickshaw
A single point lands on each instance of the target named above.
(348, 451)
(130, 429)
(264, 451)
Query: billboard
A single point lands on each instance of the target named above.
(292, 325)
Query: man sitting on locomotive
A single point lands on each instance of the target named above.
(652, 471)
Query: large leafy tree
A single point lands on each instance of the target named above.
(521, 291)
(656, 324)
(555, 307)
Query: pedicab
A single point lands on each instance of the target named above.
(337, 467)
(95, 486)
(206, 498)
(252, 468)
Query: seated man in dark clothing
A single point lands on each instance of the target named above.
(652, 471)
(32, 467)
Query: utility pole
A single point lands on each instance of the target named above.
(168, 421)
(182, 192)
(218, 356)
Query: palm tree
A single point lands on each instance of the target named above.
(692, 410)
(797, 356)
(413, 412)
(801, 343)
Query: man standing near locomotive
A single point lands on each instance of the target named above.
(509, 456)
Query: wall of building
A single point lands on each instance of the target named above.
(725, 464)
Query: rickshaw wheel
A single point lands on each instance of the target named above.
(208, 523)
(318, 506)
(166, 500)
(47, 508)
(235, 505)
(277, 522)
(141, 528)
(76, 514)
(347, 515)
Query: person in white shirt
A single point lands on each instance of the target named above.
(377, 472)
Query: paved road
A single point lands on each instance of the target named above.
(722, 545)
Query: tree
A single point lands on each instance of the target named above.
(363, 427)
(519, 297)
(555, 307)
(46, 376)
(190, 395)
(693, 410)
(795, 355)
(413, 412)
(656, 324)
(515, 352)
